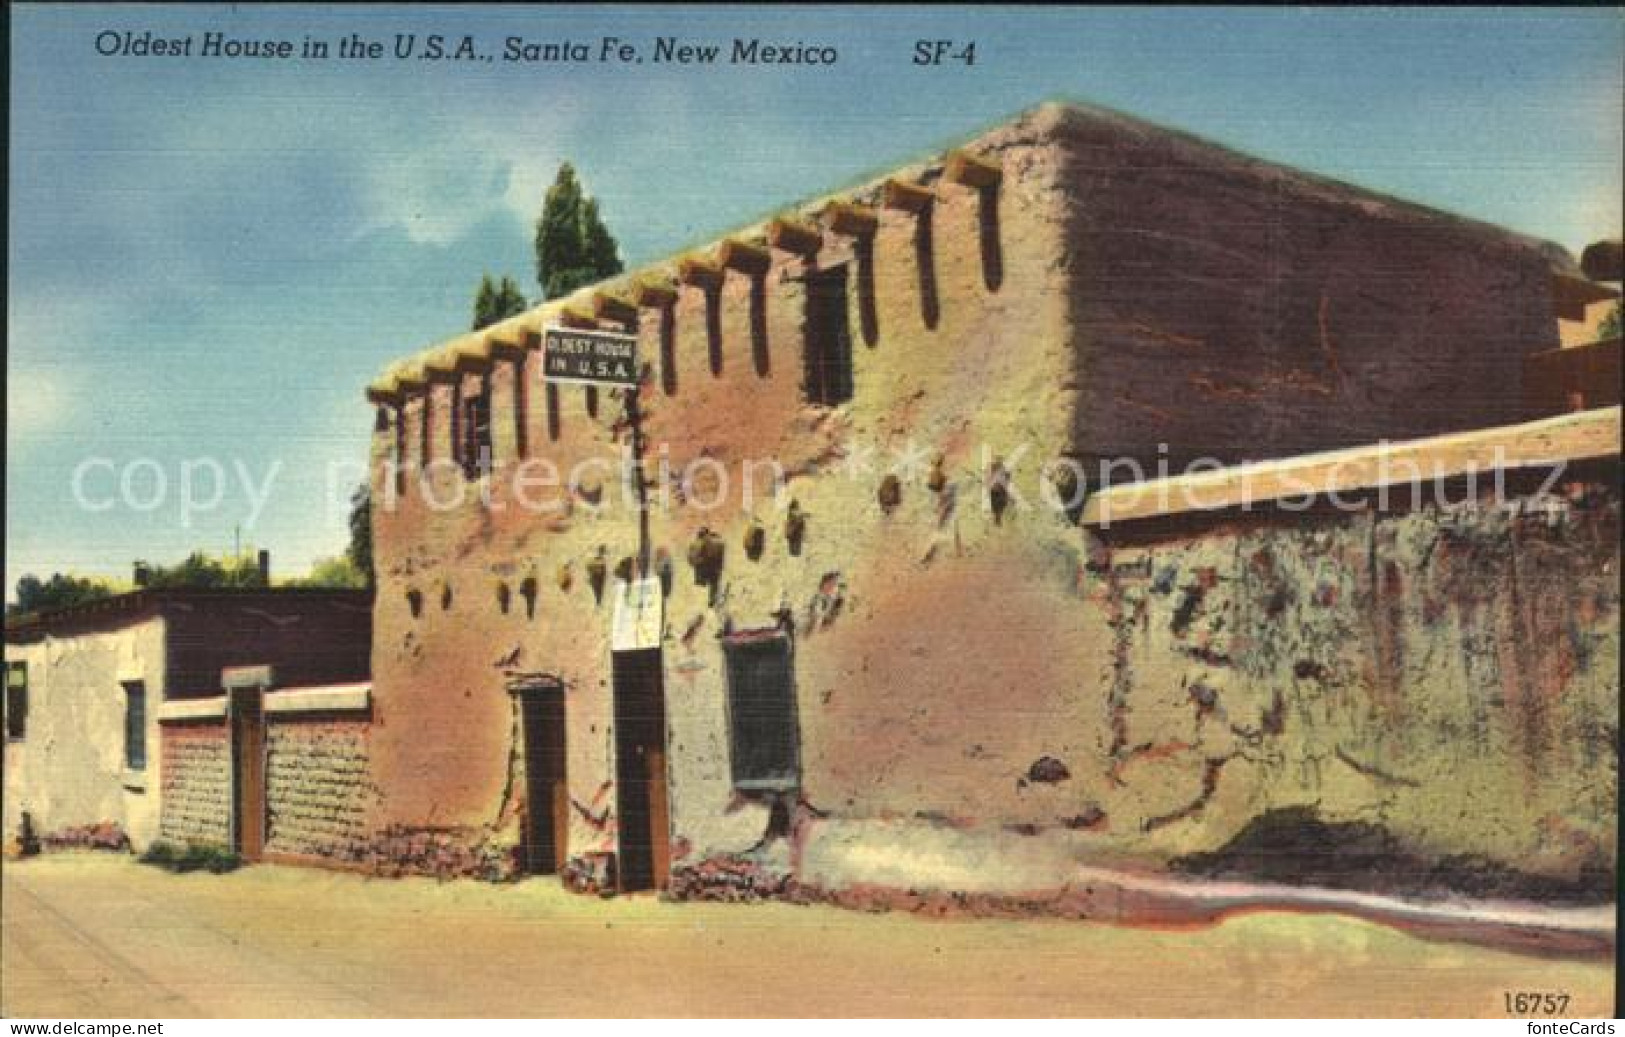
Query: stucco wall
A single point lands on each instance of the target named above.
(1234, 309)
(1444, 682)
(985, 698)
(977, 367)
(69, 770)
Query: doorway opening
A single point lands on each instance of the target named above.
(641, 806)
(547, 792)
(246, 708)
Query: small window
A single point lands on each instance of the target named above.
(476, 431)
(764, 738)
(828, 375)
(17, 700)
(135, 726)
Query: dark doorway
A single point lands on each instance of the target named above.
(640, 770)
(828, 337)
(246, 710)
(547, 794)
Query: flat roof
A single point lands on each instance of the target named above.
(139, 603)
(1056, 114)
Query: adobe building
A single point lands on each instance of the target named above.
(91, 691)
(902, 672)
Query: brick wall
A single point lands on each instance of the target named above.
(318, 788)
(196, 784)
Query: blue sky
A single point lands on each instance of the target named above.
(210, 258)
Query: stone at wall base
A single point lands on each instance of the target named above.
(591, 874)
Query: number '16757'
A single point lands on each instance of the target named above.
(1535, 1003)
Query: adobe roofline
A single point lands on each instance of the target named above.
(1047, 119)
(865, 189)
(134, 606)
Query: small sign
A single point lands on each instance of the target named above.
(640, 613)
(589, 357)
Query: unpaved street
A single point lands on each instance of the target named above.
(98, 935)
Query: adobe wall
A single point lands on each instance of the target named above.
(318, 784)
(988, 700)
(1238, 310)
(309, 638)
(969, 356)
(68, 773)
(197, 783)
(317, 787)
(1432, 694)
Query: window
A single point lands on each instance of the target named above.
(135, 726)
(17, 700)
(763, 734)
(476, 431)
(828, 376)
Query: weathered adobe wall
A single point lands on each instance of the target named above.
(1438, 686)
(309, 639)
(318, 787)
(197, 783)
(1234, 309)
(983, 368)
(941, 655)
(68, 772)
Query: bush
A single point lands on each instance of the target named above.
(213, 859)
(1610, 327)
(161, 854)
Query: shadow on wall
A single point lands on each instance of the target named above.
(1294, 845)
(758, 325)
(925, 261)
(668, 350)
(992, 248)
(713, 326)
(868, 318)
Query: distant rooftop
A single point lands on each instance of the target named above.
(139, 603)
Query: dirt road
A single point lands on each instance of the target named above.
(98, 935)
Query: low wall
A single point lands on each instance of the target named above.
(318, 785)
(196, 795)
(1405, 698)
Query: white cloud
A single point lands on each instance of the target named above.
(38, 400)
(41, 385)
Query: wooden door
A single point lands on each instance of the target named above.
(641, 809)
(547, 792)
(247, 718)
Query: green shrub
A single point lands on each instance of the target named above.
(161, 854)
(193, 857)
(1610, 326)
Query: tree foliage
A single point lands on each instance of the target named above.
(60, 591)
(337, 571)
(573, 247)
(359, 553)
(496, 300)
(200, 570)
